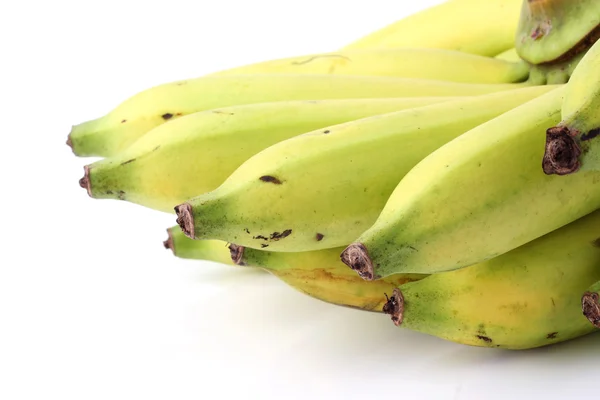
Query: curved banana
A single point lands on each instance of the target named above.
(477, 197)
(572, 145)
(590, 303)
(471, 26)
(148, 109)
(319, 274)
(196, 153)
(553, 31)
(509, 55)
(529, 297)
(445, 65)
(323, 188)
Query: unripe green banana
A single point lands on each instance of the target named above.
(590, 303)
(553, 31)
(471, 26)
(475, 198)
(196, 153)
(440, 64)
(319, 274)
(572, 145)
(140, 113)
(323, 188)
(526, 298)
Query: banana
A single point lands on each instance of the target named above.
(590, 303)
(150, 108)
(445, 65)
(471, 26)
(323, 188)
(509, 55)
(319, 274)
(526, 298)
(475, 198)
(571, 145)
(196, 153)
(553, 31)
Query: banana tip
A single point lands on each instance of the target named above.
(561, 156)
(591, 308)
(169, 245)
(356, 257)
(185, 219)
(70, 143)
(394, 306)
(237, 253)
(85, 181)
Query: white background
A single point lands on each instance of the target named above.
(93, 307)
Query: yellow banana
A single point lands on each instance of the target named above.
(319, 274)
(573, 145)
(509, 55)
(528, 297)
(445, 65)
(196, 153)
(323, 188)
(134, 117)
(590, 303)
(477, 197)
(471, 26)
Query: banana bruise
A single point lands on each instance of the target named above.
(322, 189)
(479, 196)
(150, 108)
(573, 144)
(440, 64)
(486, 28)
(526, 298)
(196, 153)
(319, 274)
(590, 304)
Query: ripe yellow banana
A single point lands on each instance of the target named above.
(319, 274)
(471, 26)
(477, 197)
(509, 55)
(590, 302)
(134, 117)
(323, 188)
(528, 297)
(573, 145)
(445, 65)
(196, 153)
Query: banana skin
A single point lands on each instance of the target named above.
(486, 28)
(526, 298)
(194, 154)
(319, 274)
(475, 198)
(440, 64)
(323, 188)
(573, 144)
(115, 131)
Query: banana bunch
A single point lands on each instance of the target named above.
(424, 173)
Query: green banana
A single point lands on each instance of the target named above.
(440, 64)
(150, 108)
(571, 145)
(319, 274)
(553, 31)
(475, 198)
(590, 303)
(526, 298)
(486, 28)
(196, 153)
(323, 188)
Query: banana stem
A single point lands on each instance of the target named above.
(395, 307)
(356, 257)
(561, 156)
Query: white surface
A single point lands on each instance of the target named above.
(92, 306)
